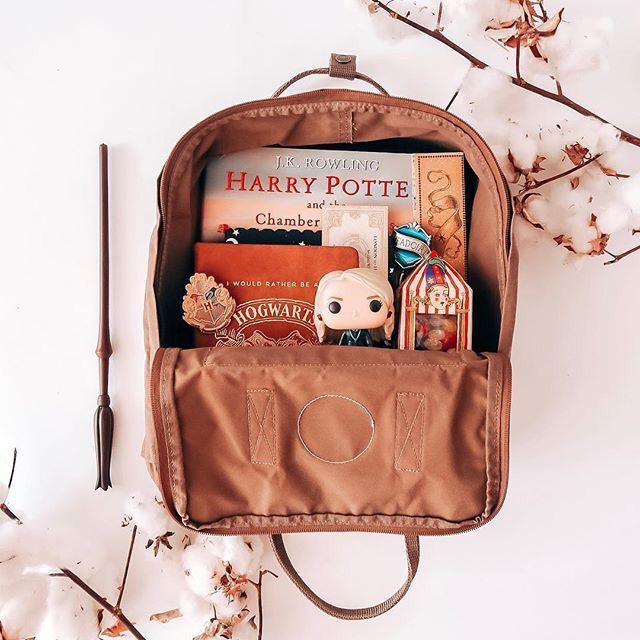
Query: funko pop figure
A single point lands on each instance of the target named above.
(354, 308)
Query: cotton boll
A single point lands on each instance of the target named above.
(603, 190)
(585, 131)
(540, 210)
(392, 30)
(551, 141)
(200, 567)
(502, 156)
(453, 10)
(235, 551)
(608, 138)
(616, 159)
(481, 12)
(485, 87)
(150, 516)
(573, 200)
(21, 605)
(629, 194)
(22, 593)
(195, 608)
(581, 234)
(591, 133)
(25, 545)
(70, 613)
(533, 69)
(489, 100)
(562, 210)
(523, 147)
(226, 607)
(578, 46)
(614, 217)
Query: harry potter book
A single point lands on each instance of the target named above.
(288, 189)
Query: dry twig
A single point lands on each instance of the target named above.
(558, 97)
(114, 609)
(3, 506)
(258, 586)
(540, 183)
(620, 256)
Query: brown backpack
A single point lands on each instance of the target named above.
(403, 442)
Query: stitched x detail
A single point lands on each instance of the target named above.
(265, 427)
(409, 434)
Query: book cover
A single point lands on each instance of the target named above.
(277, 188)
(273, 287)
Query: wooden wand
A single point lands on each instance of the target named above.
(103, 419)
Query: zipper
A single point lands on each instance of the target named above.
(167, 493)
(159, 427)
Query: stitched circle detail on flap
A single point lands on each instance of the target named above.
(335, 429)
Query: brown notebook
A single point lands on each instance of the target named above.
(273, 286)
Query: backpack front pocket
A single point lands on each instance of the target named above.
(264, 440)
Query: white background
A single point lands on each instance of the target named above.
(561, 560)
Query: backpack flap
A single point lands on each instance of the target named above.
(267, 440)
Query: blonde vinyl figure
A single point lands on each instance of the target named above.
(354, 308)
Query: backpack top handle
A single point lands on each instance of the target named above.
(341, 65)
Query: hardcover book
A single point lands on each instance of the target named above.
(273, 287)
(282, 188)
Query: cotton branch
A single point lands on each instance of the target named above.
(258, 586)
(558, 97)
(126, 566)
(620, 256)
(3, 506)
(113, 609)
(116, 613)
(558, 176)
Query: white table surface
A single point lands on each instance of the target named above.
(561, 560)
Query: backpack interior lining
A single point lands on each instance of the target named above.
(320, 123)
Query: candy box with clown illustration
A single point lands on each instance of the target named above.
(435, 308)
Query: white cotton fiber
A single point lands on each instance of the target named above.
(200, 568)
(523, 147)
(194, 607)
(578, 46)
(149, 515)
(608, 138)
(225, 606)
(534, 70)
(629, 193)
(244, 558)
(580, 234)
(70, 613)
(481, 84)
(614, 217)
(481, 12)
